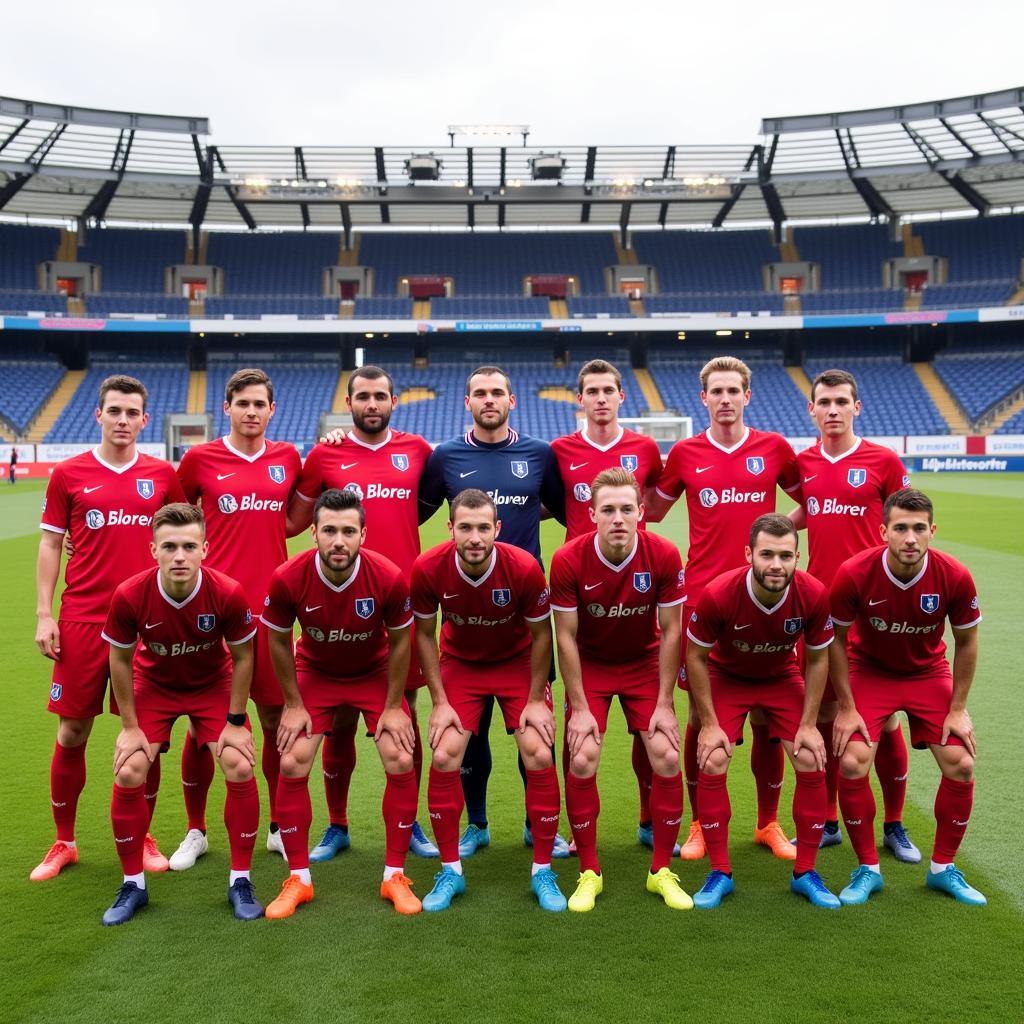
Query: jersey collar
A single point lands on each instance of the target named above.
(372, 447)
(836, 458)
(248, 458)
(898, 582)
(513, 436)
(728, 451)
(327, 583)
(170, 600)
(469, 579)
(115, 469)
(611, 565)
(766, 610)
(602, 447)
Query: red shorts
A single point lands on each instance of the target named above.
(158, 708)
(265, 690)
(468, 685)
(781, 700)
(323, 695)
(79, 679)
(925, 699)
(635, 683)
(688, 610)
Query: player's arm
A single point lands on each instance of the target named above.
(815, 676)
(131, 738)
(294, 718)
(712, 735)
(664, 717)
(848, 720)
(581, 722)
(656, 504)
(798, 517)
(537, 713)
(393, 719)
(432, 490)
(47, 573)
(552, 489)
(443, 716)
(238, 736)
(299, 515)
(965, 660)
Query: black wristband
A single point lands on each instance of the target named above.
(238, 719)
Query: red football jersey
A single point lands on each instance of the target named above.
(344, 628)
(751, 641)
(617, 604)
(843, 498)
(485, 619)
(245, 503)
(896, 627)
(386, 477)
(580, 460)
(182, 641)
(109, 512)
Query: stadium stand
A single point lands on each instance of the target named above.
(21, 250)
(26, 386)
(20, 303)
(289, 263)
(490, 307)
(986, 249)
(133, 261)
(599, 305)
(252, 307)
(978, 293)
(706, 261)
(851, 300)
(977, 380)
(1014, 425)
(382, 308)
(105, 305)
(850, 257)
(714, 302)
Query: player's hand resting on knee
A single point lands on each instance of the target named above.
(808, 738)
(539, 715)
(710, 739)
(959, 724)
(847, 722)
(578, 728)
(129, 741)
(443, 717)
(238, 737)
(398, 725)
(664, 721)
(294, 720)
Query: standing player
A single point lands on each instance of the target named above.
(520, 475)
(729, 473)
(889, 606)
(616, 595)
(244, 483)
(742, 656)
(383, 467)
(495, 643)
(599, 445)
(844, 481)
(184, 616)
(354, 610)
(105, 500)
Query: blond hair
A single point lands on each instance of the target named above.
(725, 364)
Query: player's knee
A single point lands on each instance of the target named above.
(805, 762)
(445, 758)
(584, 762)
(958, 765)
(236, 768)
(73, 732)
(132, 773)
(855, 762)
(717, 763)
(293, 767)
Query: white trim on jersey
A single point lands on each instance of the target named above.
(52, 529)
(363, 444)
(622, 565)
(513, 436)
(842, 455)
(564, 607)
(700, 643)
(114, 469)
(117, 643)
(276, 628)
(327, 583)
(969, 625)
(469, 579)
(894, 580)
(404, 625)
(245, 639)
(539, 618)
(248, 458)
(170, 600)
(819, 647)
(672, 604)
(602, 447)
(750, 594)
(721, 447)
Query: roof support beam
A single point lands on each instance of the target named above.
(97, 208)
(768, 191)
(736, 192)
(201, 200)
(624, 213)
(346, 224)
(300, 164)
(243, 210)
(873, 199)
(14, 134)
(12, 188)
(382, 177)
(304, 210)
(967, 191)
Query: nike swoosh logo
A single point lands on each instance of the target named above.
(462, 476)
(449, 596)
(89, 490)
(704, 469)
(871, 604)
(577, 465)
(314, 608)
(747, 626)
(808, 479)
(591, 586)
(224, 476)
(402, 824)
(349, 465)
(153, 625)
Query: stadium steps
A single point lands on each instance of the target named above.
(7, 434)
(76, 306)
(1006, 412)
(912, 244)
(912, 300)
(799, 377)
(788, 250)
(626, 257)
(558, 309)
(67, 248)
(1016, 298)
(197, 308)
(346, 310)
(649, 389)
(948, 406)
(51, 409)
(791, 305)
(340, 391)
(637, 307)
(416, 393)
(421, 309)
(348, 257)
(196, 392)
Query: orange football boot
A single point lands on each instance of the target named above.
(294, 893)
(58, 857)
(693, 848)
(776, 840)
(152, 859)
(398, 890)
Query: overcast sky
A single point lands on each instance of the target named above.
(394, 74)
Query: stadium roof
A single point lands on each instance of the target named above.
(948, 156)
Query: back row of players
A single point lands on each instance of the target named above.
(615, 594)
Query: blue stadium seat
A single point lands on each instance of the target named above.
(22, 249)
(851, 256)
(979, 379)
(707, 261)
(285, 263)
(133, 260)
(26, 385)
(20, 303)
(104, 304)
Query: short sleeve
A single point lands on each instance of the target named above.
(652, 458)
(563, 595)
(424, 596)
(121, 628)
(536, 598)
(963, 609)
(311, 478)
(238, 621)
(173, 489)
(789, 470)
(398, 604)
(818, 629)
(670, 485)
(843, 598)
(896, 476)
(279, 607)
(705, 623)
(671, 579)
(188, 476)
(56, 515)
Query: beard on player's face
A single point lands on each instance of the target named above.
(374, 423)
(773, 579)
(337, 559)
(491, 419)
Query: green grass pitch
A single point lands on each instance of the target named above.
(766, 955)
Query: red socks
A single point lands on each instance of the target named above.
(196, 777)
(809, 815)
(644, 776)
(953, 803)
(582, 806)
(401, 795)
(891, 764)
(128, 816)
(768, 764)
(270, 761)
(295, 815)
(338, 755)
(690, 769)
(543, 804)
(242, 820)
(152, 789)
(857, 802)
(67, 780)
(445, 802)
(715, 812)
(666, 813)
(831, 774)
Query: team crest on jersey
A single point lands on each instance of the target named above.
(501, 596)
(755, 464)
(929, 603)
(55, 691)
(906, 480)
(277, 474)
(157, 648)
(94, 519)
(206, 622)
(228, 504)
(365, 606)
(813, 507)
(355, 489)
(400, 462)
(582, 492)
(248, 616)
(629, 463)
(520, 469)
(856, 477)
(316, 633)
(792, 626)
(642, 581)
(146, 488)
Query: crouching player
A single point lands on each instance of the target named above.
(616, 595)
(890, 605)
(184, 615)
(495, 642)
(354, 610)
(741, 658)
